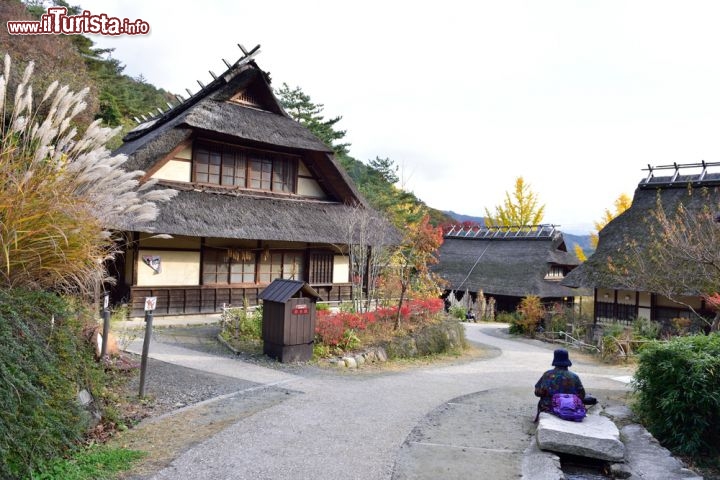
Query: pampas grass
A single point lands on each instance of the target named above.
(60, 195)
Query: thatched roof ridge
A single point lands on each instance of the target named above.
(514, 267)
(221, 214)
(635, 224)
(210, 114)
(236, 77)
(145, 151)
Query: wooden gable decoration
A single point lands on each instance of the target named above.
(253, 96)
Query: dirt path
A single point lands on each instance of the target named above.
(427, 422)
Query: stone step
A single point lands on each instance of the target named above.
(595, 437)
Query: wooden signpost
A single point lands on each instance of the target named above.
(106, 326)
(150, 304)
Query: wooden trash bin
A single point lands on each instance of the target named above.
(288, 325)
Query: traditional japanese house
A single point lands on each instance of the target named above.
(259, 198)
(507, 263)
(614, 300)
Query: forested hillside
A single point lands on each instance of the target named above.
(114, 97)
(117, 98)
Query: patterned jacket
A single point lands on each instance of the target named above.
(557, 380)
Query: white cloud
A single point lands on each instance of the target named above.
(577, 97)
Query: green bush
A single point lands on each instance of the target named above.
(44, 361)
(647, 329)
(447, 336)
(678, 393)
(242, 323)
(512, 318)
(458, 312)
(531, 312)
(615, 341)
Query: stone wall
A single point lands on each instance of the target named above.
(442, 337)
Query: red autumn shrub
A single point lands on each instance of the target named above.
(330, 327)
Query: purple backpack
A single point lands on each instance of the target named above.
(568, 406)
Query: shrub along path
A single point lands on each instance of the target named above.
(307, 422)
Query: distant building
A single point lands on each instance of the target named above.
(614, 302)
(260, 198)
(507, 263)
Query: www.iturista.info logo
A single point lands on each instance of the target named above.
(57, 21)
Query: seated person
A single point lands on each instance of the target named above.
(557, 380)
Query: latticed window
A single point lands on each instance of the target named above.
(288, 265)
(221, 266)
(320, 268)
(556, 272)
(231, 166)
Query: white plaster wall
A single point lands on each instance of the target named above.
(185, 153)
(644, 300)
(341, 269)
(177, 268)
(694, 302)
(308, 187)
(175, 170)
(303, 170)
(601, 292)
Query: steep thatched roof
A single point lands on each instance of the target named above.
(210, 114)
(505, 266)
(220, 214)
(223, 215)
(636, 222)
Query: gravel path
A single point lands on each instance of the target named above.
(329, 424)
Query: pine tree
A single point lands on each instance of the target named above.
(300, 107)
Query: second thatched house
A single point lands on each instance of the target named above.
(507, 263)
(259, 198)
(625, 296)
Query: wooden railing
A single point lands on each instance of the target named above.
(208, 299)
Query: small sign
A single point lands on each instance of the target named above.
(300, 310)
(106, 301)
(150, 303)
(154, 262)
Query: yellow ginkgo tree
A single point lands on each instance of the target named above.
(621, 204)
(519, 209)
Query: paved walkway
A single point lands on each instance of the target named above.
(356, 426)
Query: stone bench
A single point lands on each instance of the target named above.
(595, 437)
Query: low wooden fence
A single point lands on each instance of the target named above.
(209, 300)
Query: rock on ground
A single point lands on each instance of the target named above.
(647, 459)
(595, 437)
(540, 465)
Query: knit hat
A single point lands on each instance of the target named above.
(561, 358)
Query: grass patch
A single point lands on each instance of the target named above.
(93, 463)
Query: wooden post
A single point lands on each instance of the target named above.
(106, 325)
(150, 303)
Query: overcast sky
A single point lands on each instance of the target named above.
(576, 96)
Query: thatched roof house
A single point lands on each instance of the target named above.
(260, 197)
(615, 299)
(507, 263)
